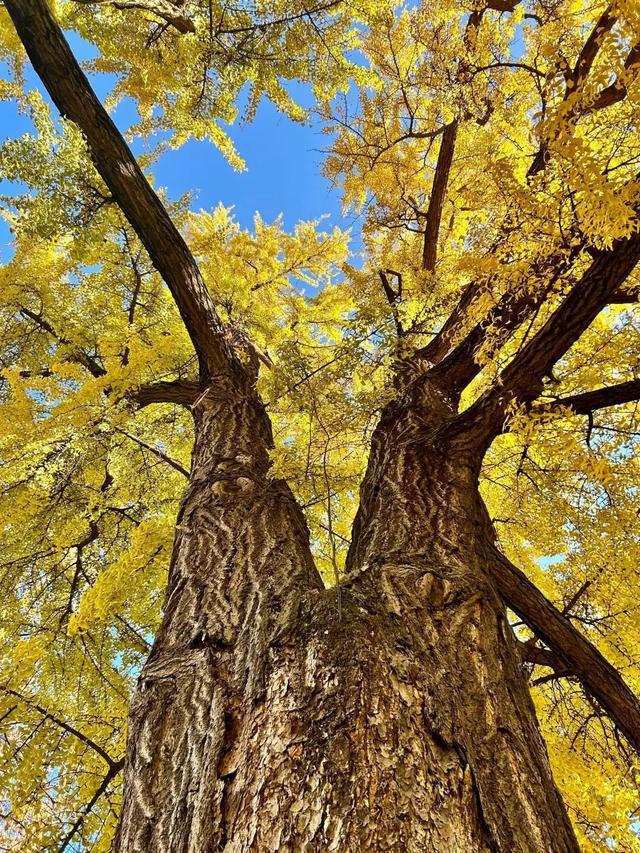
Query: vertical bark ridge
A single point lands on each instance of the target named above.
(418, 542)
(240, 566)
(266, 721)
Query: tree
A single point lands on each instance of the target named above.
(313, 685)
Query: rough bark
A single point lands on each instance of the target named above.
(267, 718)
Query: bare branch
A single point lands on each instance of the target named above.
(512, 309)
(439, 346)
(181, 392)
(579, 656)
(156, 452)
(531, 652)
(70, 90)
(436, 201)
(600, 398)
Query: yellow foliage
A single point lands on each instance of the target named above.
(89, 509)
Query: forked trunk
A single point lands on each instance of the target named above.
(268, 719)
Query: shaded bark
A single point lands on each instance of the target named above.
(266, 719)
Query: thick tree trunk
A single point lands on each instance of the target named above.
(266, 719)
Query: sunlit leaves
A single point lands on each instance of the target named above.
(87, 498)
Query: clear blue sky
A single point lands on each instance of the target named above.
(283, 160)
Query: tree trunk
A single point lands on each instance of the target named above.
(268, 719)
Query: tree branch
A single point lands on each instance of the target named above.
(160, 8)
(393, 297)
(475, 18)
(582, 658)
(460, 365)
(600, 398)
(531, 652)
(156, 452)
(66, 727)
(70, 90)
(275, 22)
(583, 304)
(111, 774)
(438, 192)
(616, 91)
(522, 379)
(591, 47)
(181, 392)
(613, 93)
(622, 296)
(77, 355)
(439, 346)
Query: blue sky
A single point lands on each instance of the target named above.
(284, 165)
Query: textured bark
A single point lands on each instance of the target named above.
(268, 719)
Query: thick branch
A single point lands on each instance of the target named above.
(160, 8)
(585, 301)
(625, 295)
(616, 91)
(531, 652)
(522, 378)
(459, 366)
(475, 18)
(438, 192)
(72, 94)
(439, 346)
(611, 94)
(181, 392)
(600, 398)
(592, 45)
(597, 675)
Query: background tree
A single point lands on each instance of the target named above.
(483, 357)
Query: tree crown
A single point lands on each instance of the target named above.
(493, 154)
